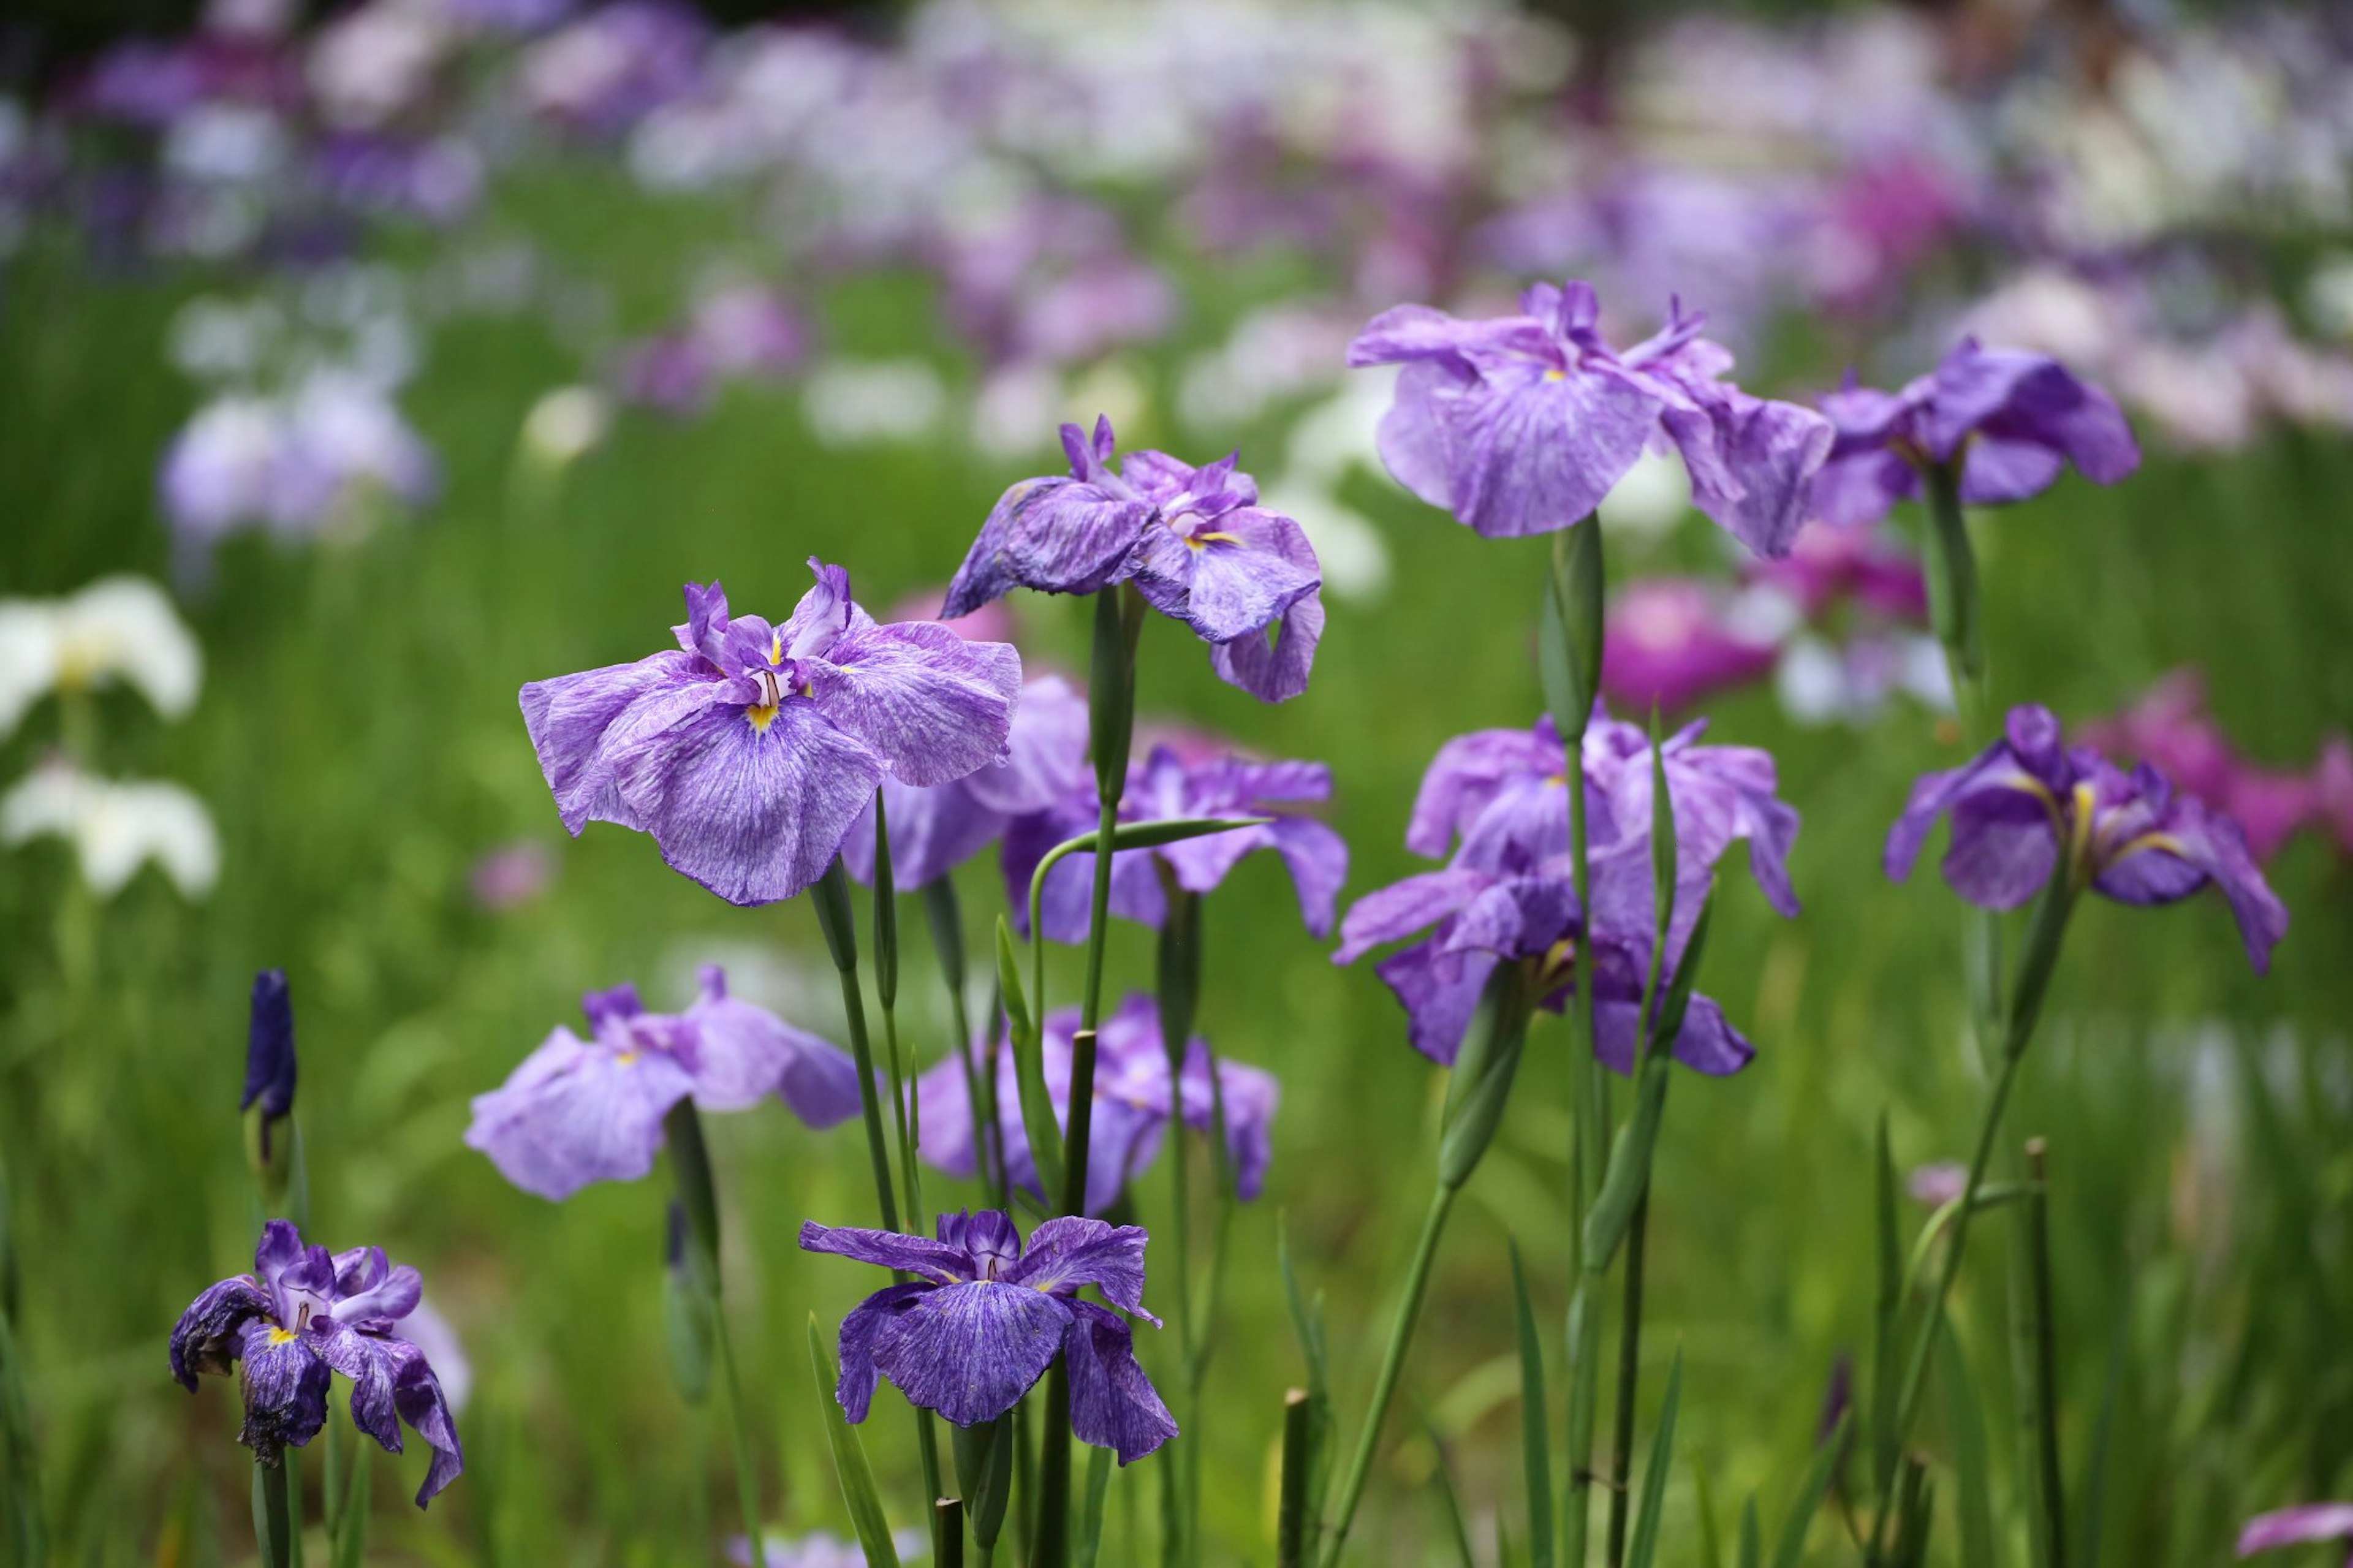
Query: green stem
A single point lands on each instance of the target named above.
(1629, 1361)
(1953, 598)
(1417, 1286)
(1588, 1159)
(273, 1517)
(739, 1430)
(944, 916)
(698, 1193)
(2046, 1377)
(831, 902)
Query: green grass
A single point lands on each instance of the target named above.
(359, 743)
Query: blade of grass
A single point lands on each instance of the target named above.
(1534, 1420)
(850, 1467)
(1654, 1475)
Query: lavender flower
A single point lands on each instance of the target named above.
(983, 1319)
(579, 1111)
(1167, 784)
(1522, 424)
(2330, 1521)
(2012, 419)
(750, 751)
(302, 1315)
(935, 830)
(1194, 541)
(1131, 1104)
(2028, 801)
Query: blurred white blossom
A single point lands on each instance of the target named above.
(115, 826)
(118, 629)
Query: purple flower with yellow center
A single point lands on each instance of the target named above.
(2329, 1521)
(2030, 804)
(1132, 1106)
(982, 1318)
(750, 751)
(302, 1315)
(933, 830)
(1194, 541)
(1522, 424)
(2011, 419)
(579, 1111)
(1169, 784)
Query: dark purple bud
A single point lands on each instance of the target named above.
(269, 1047)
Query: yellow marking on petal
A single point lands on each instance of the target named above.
(761, 715)
(625, 1057)
(809, 688)
(1555, 375)
(279, 1336)
(2079, 844)
(2165, 842)
(776, 646)
(1199, 541)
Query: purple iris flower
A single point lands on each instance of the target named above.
(2012, 419)
(1508, 895)
(1195, 543)
(935, 830)
(1131, 1105)
(1167, 784)
(982, 1319)
(2296, 1526)
(302, 1315)
(1522, 424)
(579, 1111)
(270, 1050)
(2029, 800)
(750, 751)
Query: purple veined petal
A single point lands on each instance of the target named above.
(1995, 472)
(987, 1236)
(986, 577)
(933, 705)
(1045, 752)
(389, 1298)
(569, 717)
(1536, 450)
(1527, 823)
(970, 1352)
(1440, 991)
(418, 1394)
(1931, 796)
(1466, 775)
(285, 1387)
(373, 1363)
(917, 1255)
(1157, 477)
(279, 1249)
(2296, 1526)
(1060, 536)
(1113, 1404)
(1756, 478)
(1412, 442)
(1318, 858)
(741, 1054)
(209, 1334)
(1858, 490)
(754, 813)
(822, 616)
(1069, 1252)
(574, 1114)
(1407, 333)
(1067, 906)
(1406, 907)
(704, 631)
(1273, 665)
(1245, 573)
(1865, 419)
(2193, 845)
(853, 1387)
(1162, 565)
(618, 1004)
(2004, 846)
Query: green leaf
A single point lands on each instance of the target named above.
(1711, 1549)
(984, 1469)
(945, 918)
(1029, 1065)
(1111, 686)
(1307, 1322)
(351, 1524)
(1888, 1308)
(1664, 850)
(886, 912)
(858, 1490)
(2093, 1491)
(1752, 1549)
(1534, 1420)
(1088, 1541)
(1964, 1419)
(1481, 1085)
(1442, 1475)
(1792, 1547)
(1654, 1475)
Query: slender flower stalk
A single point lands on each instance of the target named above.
(2053, 1497)
(698, 1196)
(1179, 988)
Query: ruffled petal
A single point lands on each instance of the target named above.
(971, 1352)
(210, 1333)
(853, 1387)
(569, 717)
(1406, 907)
(285, 1387)
(1070, 1252)
(743, 1053)
(419, 1396)
(574, 1114)
(933, 705)
(1057, 535)
(1466, 775)
(916, 1255)
(1113, 1404)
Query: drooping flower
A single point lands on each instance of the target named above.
(115, 826)
(579, 1111)
(1169, 785)
(2310, 1521)
(118, 629)
(935, 830)
(2012, 419)
(983, 1318)
(1522, 424)
(749, 751)
(2028, 805)
(1507, 894)
(1131, 1105)
(302, 1315)
(1194, 541)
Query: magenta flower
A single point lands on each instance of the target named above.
(2012, 419)
(1167, 785)
(1522, 424)
(302, 1315)
(983, 1318)
(1194, 541)
(2170, 728)
(1670, 641)
(579, 1111)
(750, 751)
(1131, 1105)
(2027, 806)
(2296, 1526)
